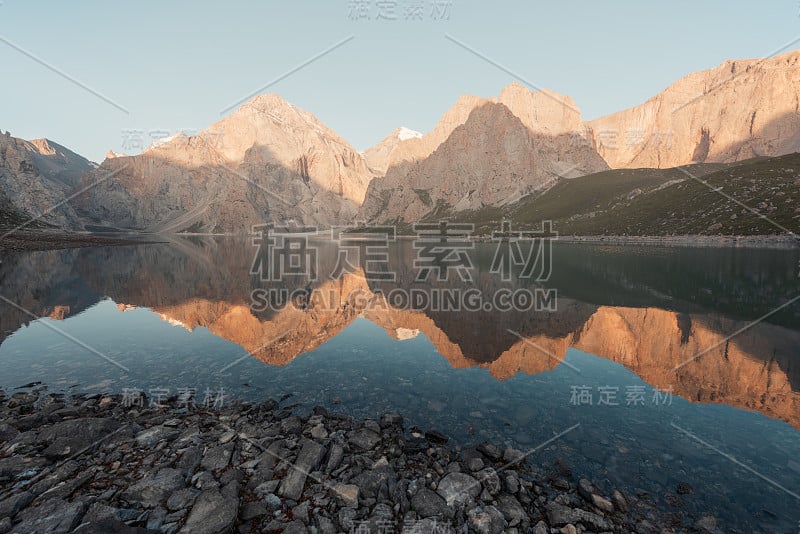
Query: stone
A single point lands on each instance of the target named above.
(52, 516)
(560, 515)
(540, 528)
(475, 464)
(707, 524)
(511, 483)
(12, 505)
(428, 503)
(153, 489)
(490, 450)
(252, 510)
(434, 436)
(217, 458)
(154, 435)
(364, 438)
(490, 480)
(295, 527)
(346, 494)
(391, 419)
(307, 460)
(7, 432)
(458, 488)
(620, 502)
(585, 489)
(272, 501)
(181, 499)
(211, 514)
(513, 456)
(486, 520)
(512, 510)
(319, 432)
(602, 503)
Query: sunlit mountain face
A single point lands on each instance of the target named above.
(632, 342)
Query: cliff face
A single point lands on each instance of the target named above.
(484, 152)
(268, 161)
(36, 177)
(738, 110)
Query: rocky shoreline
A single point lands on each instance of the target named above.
(17, 241)
(94, 463)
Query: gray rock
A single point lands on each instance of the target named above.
(211, 514)
(334, 458)
(252, 510)
(217, 458)
(512, 510)
(491, 451)
(324, 525)
(87, 430)
(301, 512)
(181, 499)
(475, 464)
(272, 502)
(540, 528)
(559, 515)
(53, 515)
(7, 432)
(99, 512)
(364, 438)
(585, 489)
(511, 483)
(319, 432)
(490, 480)
(620, 502)
(458, 488)
(486, 520)
(602, 503)
(153, 489)
(308, 460)
(153, 436)
(295, 527)
(428, 503)
(190, 459)
(513, 456)
(11, 506)
(391, 419)
(346, 494)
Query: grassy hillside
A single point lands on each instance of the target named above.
(662, 201)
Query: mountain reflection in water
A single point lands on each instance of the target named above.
(666, 315)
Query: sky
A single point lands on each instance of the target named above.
(96, 77)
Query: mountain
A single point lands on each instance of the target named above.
(378, 156)
(738, 110)
(35, 179)
(502, 150)
(268, 161)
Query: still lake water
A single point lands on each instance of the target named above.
(653, 352)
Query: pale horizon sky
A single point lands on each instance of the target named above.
(103, 76)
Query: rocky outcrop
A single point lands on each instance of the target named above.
(268, 161)
(36, 178)
(738, 110)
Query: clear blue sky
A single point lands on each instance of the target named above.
(175, 65)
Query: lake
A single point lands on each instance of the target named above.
(644, 368)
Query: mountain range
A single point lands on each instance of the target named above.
(485, 158)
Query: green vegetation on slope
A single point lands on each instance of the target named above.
(706, 199)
